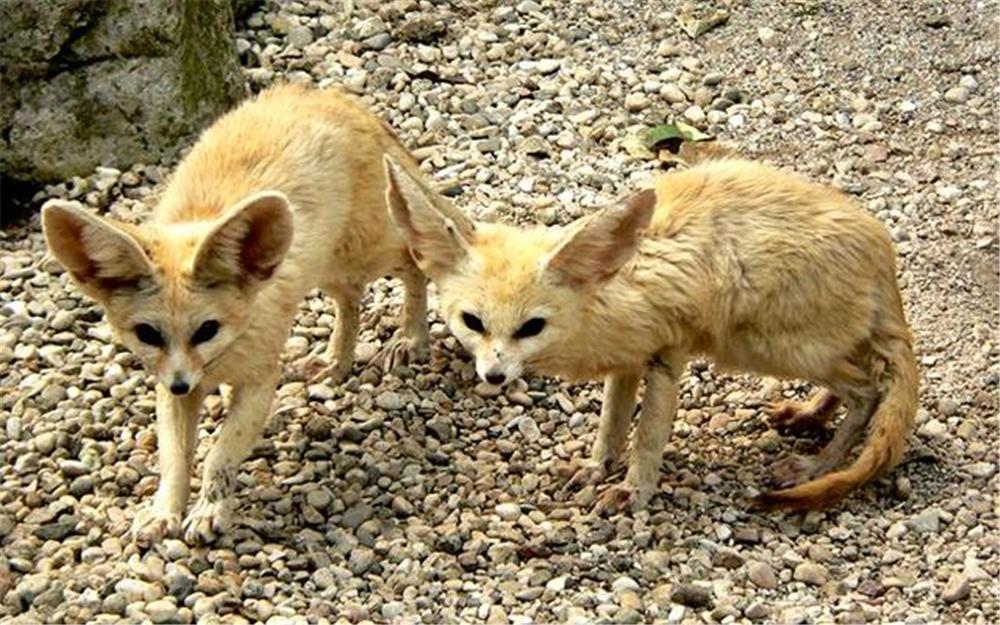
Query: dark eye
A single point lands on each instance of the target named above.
(529, 328)
(149, 335)
(473, 322)
(205, 332)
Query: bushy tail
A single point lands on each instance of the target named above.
(892, 421)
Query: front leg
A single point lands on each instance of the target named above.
(176, 430)
(612, 433)
(339, 355)
(410, 342)
(656, 420)
(239, 432)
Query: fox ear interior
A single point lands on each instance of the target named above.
(438, 235)
(599, 245)
(249, 243)
(100, 255)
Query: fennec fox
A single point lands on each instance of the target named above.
(755, 268)
(282, 195)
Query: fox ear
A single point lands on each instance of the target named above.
(102, 256)
(598, 246)
(438, 235)
(249, 243)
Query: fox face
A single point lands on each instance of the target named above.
(510, 295)
(176, 294)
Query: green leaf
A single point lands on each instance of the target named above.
(674, 133)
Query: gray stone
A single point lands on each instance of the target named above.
(810, 573)
(110, 83)
(957, 588)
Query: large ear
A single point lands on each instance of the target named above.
(598, 246)
(438, 235)
(249, 242)
(102, 256)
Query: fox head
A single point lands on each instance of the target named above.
(176, 294)
(511, 295)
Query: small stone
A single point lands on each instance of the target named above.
(810, 573)
(673, 94)
(162, 611)
(956, 95)
(957, 588)
(173, 549)
(508, 511)
(766, 35)
(442, 428)
(547, 66)
(356, 515)
(761, 574)
(300, 36)
(63, 320)
(528, 429)
(137, 590)
(624, 584)
(757, 611)
(694, 114)
(635, 102)
(401, 506)
(390, 400)
(692, 595)
(928, 521)
(393, 609)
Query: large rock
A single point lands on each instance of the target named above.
(110, 82)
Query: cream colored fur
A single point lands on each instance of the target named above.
(282, 195)
(753, 267)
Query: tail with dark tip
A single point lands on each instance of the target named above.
(886, 440)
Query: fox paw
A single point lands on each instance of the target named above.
(207, 521)
(152, 525)
(793, 469)
(584, 473)
(317, 369)
(403, 350)
(621, 498)
(793, 416)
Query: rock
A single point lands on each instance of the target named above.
(390, 400)
(757, 611)
(928, 521)
(692, 595)
(957, 588)
(508, 511)
(694, 114)
(356, 515)
(300, 36)
(421, 28)
(162, 611)
(635, 102)
(766, 35)
(137, 590)
(442, 428)
(147, 75)
(810, 573)
(956, 95)
(761, 574)
(624, 584)
(393, 609)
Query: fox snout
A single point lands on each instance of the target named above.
(496, 369)
(179, 373)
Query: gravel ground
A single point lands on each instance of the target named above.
(417, 495)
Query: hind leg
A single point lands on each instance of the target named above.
(410, 342)
(794, 469)
(797, 416)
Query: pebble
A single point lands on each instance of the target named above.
(762, 574)
(957, 589)
(508, 511)
(692, 595)
(766, 35)
(956, 95)
(810, 573)
(635, 102)
(928, 521)
(162, 611)
(137, 590)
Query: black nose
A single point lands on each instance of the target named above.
(179, 388)
(495, 378)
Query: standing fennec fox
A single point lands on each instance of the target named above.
(282, 195)
(755, 268)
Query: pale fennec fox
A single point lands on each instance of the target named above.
(755, 268)
(282, 195)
